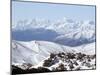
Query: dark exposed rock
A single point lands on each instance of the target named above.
(78, 68)
(17, 70)
(50, 61)
(80, 56)
(47, 62)
(70, 55)
(88, 64)
(93, 56)
(52, 55)
(61, 67)
(75, 62)
(61, 55)
(71, 66)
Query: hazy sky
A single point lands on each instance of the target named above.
(30, 10)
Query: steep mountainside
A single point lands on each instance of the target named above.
(34, 52)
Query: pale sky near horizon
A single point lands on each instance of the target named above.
(31, 10)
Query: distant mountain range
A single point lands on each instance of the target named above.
(65, 31)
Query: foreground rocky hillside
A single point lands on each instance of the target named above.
(58, 62)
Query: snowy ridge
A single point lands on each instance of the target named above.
(88, 49)
(34, 52)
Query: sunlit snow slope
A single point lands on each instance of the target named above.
(34, 52)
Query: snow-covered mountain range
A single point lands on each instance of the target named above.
(44, 45)
(63, 31)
